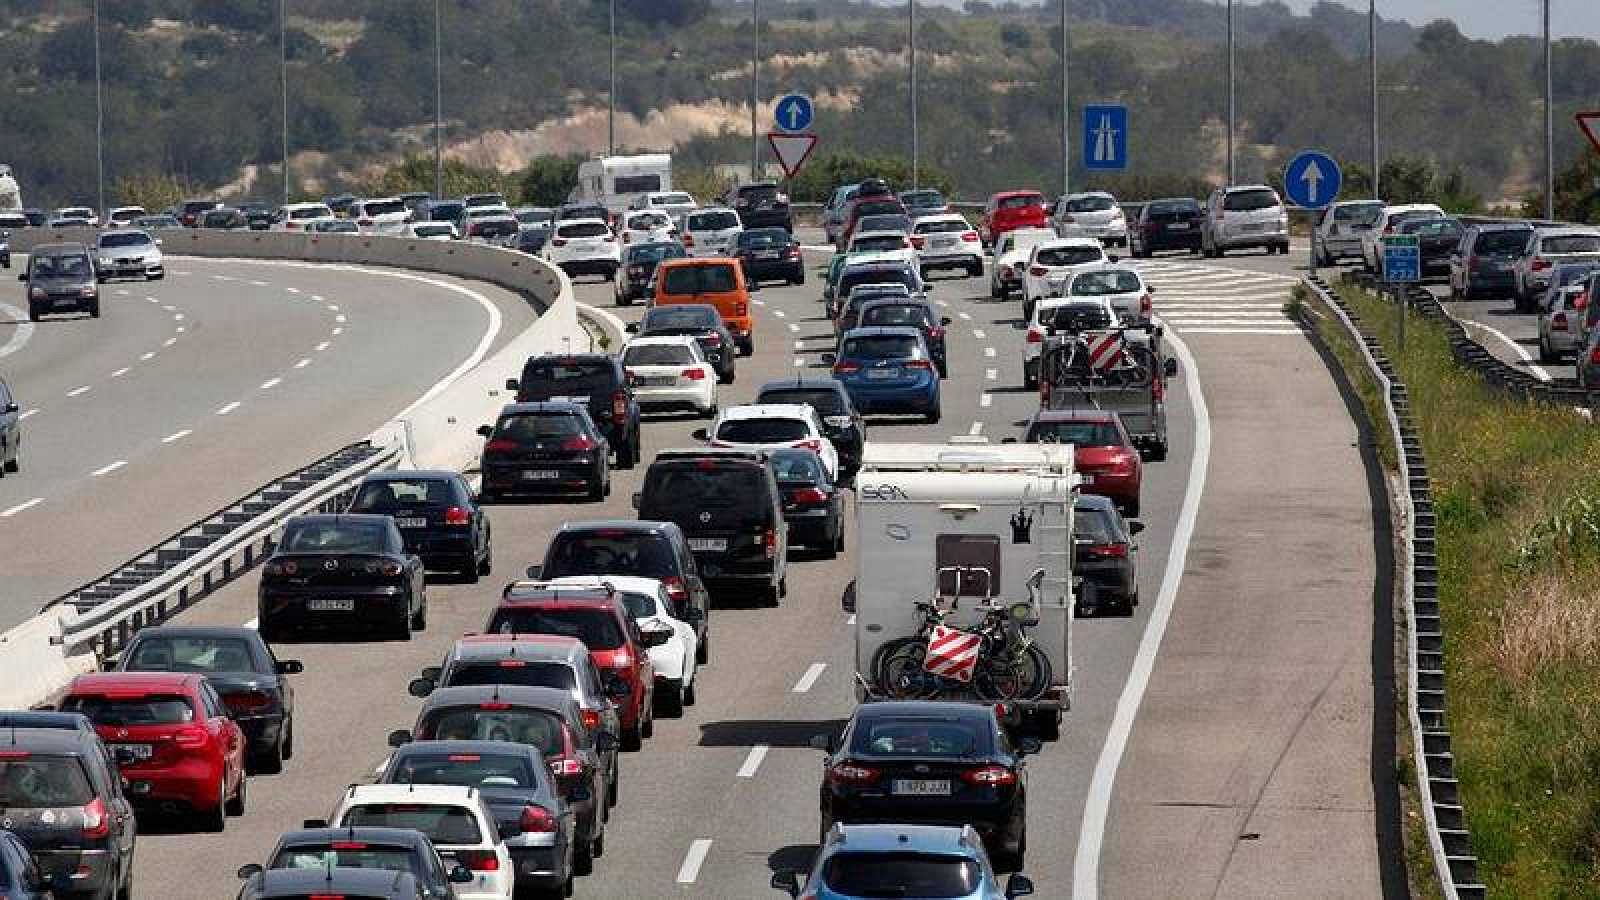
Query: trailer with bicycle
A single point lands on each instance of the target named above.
(1122, 370)
(964, 586)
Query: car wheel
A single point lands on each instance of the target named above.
(583, 856)
(1545, 355)
(996, 292)
(288, 739)
(688, 696)
(402, 629)
(709, 412)
(613, 788)
(932, 417)
(669, 698)
(1131, 510)
(94, 310)
(269, 762)
(597, 489)
(33, 313)
(632, 740)
(487, 565)
(13, 464)
(1158, 451)
(235, 806)
(702, 651)
(769, 595)
(216, 819)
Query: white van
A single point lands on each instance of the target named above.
(615, 182)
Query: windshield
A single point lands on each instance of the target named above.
(713, 221)
(1068, 256)
(699, 279)
(897, 314)
(443, 824)
(523, 725)
(74, 266)
(537, 427)
(383, 207)
(489, 212)
(128, 239)
(152, 709)
(1075, 317)
(658, 355)
(877, 243)
(1099, 284)
(867, 208)
(393, 494)
(686, 316)
(1244, 201)
(597, 628)
(534, 216)
(919, 736)
(763, 431)
(1090, 204)
(43, 782)
(901, 875)
(335, 537)
(825, 402)
(347, 854)
(881, 346)
(190, 654)
(700, 484)
(1570, 243)
(1081, 434)
(799, 466)
(1566, 275)
(615, 553)
(1358, 213)
(479, 770)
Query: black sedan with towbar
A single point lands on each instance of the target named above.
(639, 263)
(341, 571)
(438, 516)
(540, 449)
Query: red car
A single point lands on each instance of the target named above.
(599, 618)
(1103, 453)
(172, 738)
(1010, 210)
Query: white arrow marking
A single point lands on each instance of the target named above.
(1313, 178)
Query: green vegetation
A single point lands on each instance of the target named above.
(1518, 512)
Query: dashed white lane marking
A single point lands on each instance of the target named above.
(799, 345)
(152, 300)
(759, 302)
(180, 329)
(944, 303)
(182, 272)
(316, 298)
(752, 762)
(228, 409)
(793, 327)
(271, 383)
(177, 317)
(339, 318)
(322, 346)
(991, 374)
(979, 333)
(976, 429)
(851, 620)
(986, 400)
(258, 284)
(170, 308)
(333, 307)
(780, 313)
(809, 678)
(696, 857)
(27, 413)
(303, 363)
(169, 342)
(120, 372)
(23, 333)
(291, 290)
(84, 389)
(21, 507)
(147, 356)
(988, 351)
(965, 317)
(338, 331)
(122, 292)
(109, 468)
(799, 362)
(177, 436)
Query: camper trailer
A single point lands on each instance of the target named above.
(616, 181)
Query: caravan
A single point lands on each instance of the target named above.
(615, 182)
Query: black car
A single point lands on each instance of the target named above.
(341, 571)
(412, 198)
(813, 505)
(1485, 260)
(189, 211)
(849, 305)
(700, 321)
(1105, 554)
(531, 239)
(515, 781)
(340, 203)
(224, 218)
(761, 205)
(638, 270)
(10, 430)
(61, 278)
(62, 795)
(21, 877)
(1436, 239)
(596, 380)
(436, 211)
(769, 254)
(841, 423)
(539, 449)
(658, 550)
(257, 214)
(1169, 224)
(333, 881)
(438, 516)
(926, 202)
(365, 847)
(242, 669)
(916, 313)
(728, 504)
(930, 762)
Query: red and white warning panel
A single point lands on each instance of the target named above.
(1105, 349)
(952, 653)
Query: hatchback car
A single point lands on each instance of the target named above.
(1485, 260)
(1240, 216)
(895, 242)
(172, 738)
(876, 269)
(763, 426)
(61, 278)
(1168, 224)
(1130, 296)
(390, 850)
(648, 227)
(946, 241)
(700, 321)
(341, 571)
(638, 270)
(128, 253)
(380, 215)
(626, 547)
(1105, 555)
(594, 380)
(437, 514)
(670, 372)
(21, 878)
(813, 503)
(544, 448)
(1092, 214)
(924, 202)
(711, 231)
(761, 204)
(676, 653)
(1103, 453)
(456, 819)
(62, 795)
(1437, 237)
(841, 423)
(437, 231)
(887, 370)
(336, 881)
(1340, 228)
(1563, 311)
(1051, 263)
(583, 247)
(857, 862)
(1011, 255)
(251, 681)
(300, 216)
(1010, 210)
(918, 314)
(862, 206)
(223, 218)
(769, 254)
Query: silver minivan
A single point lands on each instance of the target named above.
(1239, 216)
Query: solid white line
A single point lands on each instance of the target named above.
(177, 436)
(271, 383)
(975, 429)
(108, 469)
(1169, 307)
(170, 308)
(780, 313)
(851, 620)
(122, 292)
(322, 346)
(316, 298)
(752, 762)
(1097, 806)
(145, 356)
(979, 333)
(809, 678)
(259, 283)
(986, 399)
(23, 333)
(84, 389)
(759, 302)
(31, 412)
(690, 870)
(20, 507)
(302, 364)
(120, 372)
(1538, 371)
(799, 345)
(177, 317)
(169, 342)
(180, 329)
(228, 409)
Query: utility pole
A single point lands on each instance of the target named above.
(1231, 105)
(911, 44)
(283, 70)
(755, 65)
(438, 106)
(1372, 59)
(611, 96)
(1066, 109)
(99, 120)
(1549, 125)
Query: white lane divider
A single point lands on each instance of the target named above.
(152, 300)
(780, 313)
(991, 374)
(976, 429)
(696, 857)
(109, 468)
(169, 342)
(985, 399)
(180, 329)
(271, 383)
(322, 346)
(809, 678)
(339, 318)
(337, 331)
(122, 292)
(27, 413)
(259, 284)
(1539, 372)
(24, 331)
(170, 308)
(78, 391)
(752, 762)
(759, 302)
(229, 408)
(799, 345)
(177, 436)
(291, 290)
(979, 333)
(793, 327)
(333, 307)
(302, 363)
(965, 317)
(120, 372)
(21, 507)
(177, 317)
(989, 352)
(851, 620)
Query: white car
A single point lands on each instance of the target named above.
(766, 426)
(648, 227)
(457, 819)
(583, 247)
(676, 204)
(711, 231)
(1341, 227)
(947, 241)
(1130, 296)
(78, 212)
(431, 231)
(128, 253)
(1094, 214)
(671, 371)
(1011, 259)
(1386, 223)
(383, 215)
(1054, 313)
(1051, 263)
(124, 215)
(652, 609)
(301, 216)
(893, 242)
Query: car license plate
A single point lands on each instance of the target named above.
(944, 243)
(586, 247)
(1087, 479)
(909, 787)
(135, 751)
(767, 254)
(66, 301)
(658, 380)
(583, 400)
(711, 544)
(540, 475)
(1250, 228)
(411, 523)
(330, 604)
(883, 374)
(1178, 226)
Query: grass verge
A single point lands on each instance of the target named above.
(1517, 499)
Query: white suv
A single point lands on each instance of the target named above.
(711, 232)
(1340, 229)
(947, 241)
(457, 819)
(1051, 263)
(584, 247)
(1240, 216)
(768, 426)
(384, 215)
(301, 216)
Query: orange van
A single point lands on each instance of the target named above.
(717, 281)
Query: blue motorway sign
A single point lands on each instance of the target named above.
(1105, 137)
(793, 112)
(1402, 258)
(1312, 179)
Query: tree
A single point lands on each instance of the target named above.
(151, 190)
(674, 13)
(1015, 37)
(415, 173)
(548, 180)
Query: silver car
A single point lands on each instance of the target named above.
(1240, 216)
(1560, 316)
(1546, 249)
(1339, 230)
(1588, 362)
(1094, 214)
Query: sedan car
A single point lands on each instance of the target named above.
(1105, 554)
(857, 862)
(934, 762)
(813, 504)
(1052, 263)
(438, 516)
(639, 261)
(241, 668)
(769, 254)
(388, 850)
(543, 448)
(670, 372)
(331, 571)
(700, 321)
(1094, 214)
(887, 370)
(128, 253)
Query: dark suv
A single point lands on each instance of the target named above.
(596, 380)
(61, 278)
(656, 550)
(542, 449)
(761, 205)
(841, 423)
(1169, 224)
(728, 504)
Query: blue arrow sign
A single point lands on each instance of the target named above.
(793, 112)
(1312, 179)
(1105, 137)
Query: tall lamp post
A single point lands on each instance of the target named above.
(755, 65)
(1231, 104)
(1549, 125)
(911, 44)
(1066, 107)
(611, 94)
(283, 69)
(99, 120)
(1372, 59)
(438, 106)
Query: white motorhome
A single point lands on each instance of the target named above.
(616, 181)
(923, 510)
(10, 193)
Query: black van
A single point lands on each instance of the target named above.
(728, 504)
(596, 380)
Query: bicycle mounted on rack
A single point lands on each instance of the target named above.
(1122, 369)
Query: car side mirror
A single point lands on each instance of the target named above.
(461, 875)
(399, 737)
(248, 870)
(420, 687)
(1135, 527)
(1018, 885)
(22, 276)
(829, 359)
(533, 572)
(511, 384)
(1029, 746)
(631, 328)
(1151, 288)
(485, 430)
(605, 742)
(786, 880)
(827, 743)
(635, 499)
(1170, 367)
(290, 667)
(700, 434)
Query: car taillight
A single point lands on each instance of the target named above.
(1126, 462)
(479, 860)
(740, 309)
(769, 542)
(989, 776)
(918, 241)
(852, 773)
(559, 242)
(811, 444)
(935, 333)
(793, 252)
(1539, 264)
(688, 240)
(1581, 301)
(810, 495)
(246, 702)
(1038, 271)
(96, 821)
(455, 515)
(88, 290)
(500, 445)
(675, 589)
(536, 820)
(636, 270)
(566, 766)
(290, 226)
(1594, 357)
(579, 443)
(694, 374)
(191, 737)
(285, 567)
(1558, 322)
(969, 236)
(713, 340)
(1145, 304)
(474, 228)
(917, 364)
(845, 367)
(1035, 336)
(591, 719)
(619, 407)
(1388, 229)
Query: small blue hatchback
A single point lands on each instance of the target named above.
(888, 369)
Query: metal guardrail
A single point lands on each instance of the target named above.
(197, 560)
(1449, 842)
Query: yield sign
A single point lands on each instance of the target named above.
(792, 150)
(1589, 123)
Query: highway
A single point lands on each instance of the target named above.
(243, 371)
(1222, 740)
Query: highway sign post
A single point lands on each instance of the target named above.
(1312, 180)
(1402, 264)
(794, 113)
(1105, 137)
(792, 150)
(1589, 124)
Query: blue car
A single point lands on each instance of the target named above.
(888, 369)
(860, 861)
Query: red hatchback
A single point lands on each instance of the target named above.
(1103, 453)
(1010, 210)
(172, 738)
(600, 619)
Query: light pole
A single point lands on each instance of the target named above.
(1066, 110)
(1549, 125)
(1372, 59)
(283, 67)
(438, 106)
(611, 95)
(755, 64)
(99, 120)
(911, 44)
(1231, 178)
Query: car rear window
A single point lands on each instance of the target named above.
(1244, 201)
(443, 824)
(1090, 204)
(1068, 256)
(887, 275)
(384, 207)
(762, 431)
(37, 781)
(1095, 525)
(1509, 241)
(442, 211)
(801, 466)
(347, 854)
(919, 736)
(922, 198)
(941, 227)
(191, 654)
(881, 346)
(658, 355)
(901, 875)
(1358, 213)
(151, 709)
(1172, 210)
(535, 727)
(699, 484)
(528, 673)
(763, 237)
(699, 279)
(479, 770)
(649, 220)
(392, 494)
(1570, 243)
(687, 316)
(897, 314)
(877, 208)
(713, 221)
(1082, 434)
(878, 243)
(610, 552)
(566, 377)
(597, 628)
(1075, 317)
(1100, 284)
(759, 191)
(334, 537)
(583, 230)
(893, 222)
(525, 429)
(1021, 201)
